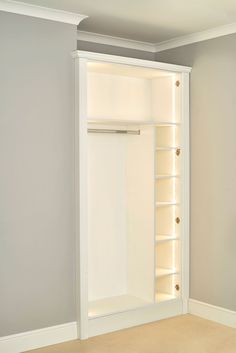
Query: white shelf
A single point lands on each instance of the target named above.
(162, 297)
(166, 176)
(166, 203)
(168, 124)
(161, 272)
(130, 122)
(162, 238)
(169, 148)
(111, 305)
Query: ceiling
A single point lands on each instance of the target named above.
(151, 21)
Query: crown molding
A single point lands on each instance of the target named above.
(22, 8)
(115, 41)
(161, 46)
(196, 37)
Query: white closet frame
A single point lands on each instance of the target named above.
(88, 327)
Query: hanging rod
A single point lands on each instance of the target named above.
(113, 131)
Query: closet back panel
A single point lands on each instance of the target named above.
(121, 215)
(107, 256)
(118, 97)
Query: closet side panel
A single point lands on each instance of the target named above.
(106, 215)
(140, 208)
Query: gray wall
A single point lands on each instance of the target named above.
(36, 183)
(213, 167)
(37, 256)
(112, 50)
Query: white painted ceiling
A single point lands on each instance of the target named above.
(147, 20)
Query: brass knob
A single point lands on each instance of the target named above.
(177, 220)
(177, 152)
(177, 287)
(177, 83)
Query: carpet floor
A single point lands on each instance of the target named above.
(182, 334)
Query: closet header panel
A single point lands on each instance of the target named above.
(139, 63)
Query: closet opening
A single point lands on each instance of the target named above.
(133, 186)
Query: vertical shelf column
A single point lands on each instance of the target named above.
(167, 194)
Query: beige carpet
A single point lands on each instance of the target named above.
(182, 334)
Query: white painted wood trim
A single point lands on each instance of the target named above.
(22, 8)
(135, 317)
(115, 41)
(185, 194)
(81, 217)
(129, 61)
(196, 37)
(213, 313)
(91, 327)
(38, 338)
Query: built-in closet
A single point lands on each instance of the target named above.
(132, 191)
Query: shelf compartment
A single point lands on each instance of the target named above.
(166, 220)
(167, 162)
(167, 136)
(112, 305)
(168, 256)
(168, 190)
(168, 288)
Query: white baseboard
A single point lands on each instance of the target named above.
(38, 338)
(29, 340)
(136, 317)
(213, 313)
(61, 333)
